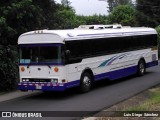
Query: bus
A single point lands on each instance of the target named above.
(55, 60)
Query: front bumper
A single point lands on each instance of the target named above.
(42, 87)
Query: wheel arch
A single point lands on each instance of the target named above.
(141, 71)
(88, 70)
(142, 58)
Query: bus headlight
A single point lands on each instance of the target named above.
(55, 80)
(25, 80)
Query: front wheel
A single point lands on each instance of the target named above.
(86, 82)
(141, 68)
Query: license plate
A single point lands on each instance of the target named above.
(38, 87)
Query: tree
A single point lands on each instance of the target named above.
(48, 12)
(123, 14)
(8, 68)
(25, 15)
(17, 17)
(158, 31)
(115, 3)
(150, 11)
(66, 4)
(66, 16)
(66, 19)
(95, 19)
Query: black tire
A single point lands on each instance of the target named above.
(141, 68)
(85, 82)
(24, 90)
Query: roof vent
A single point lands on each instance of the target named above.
(99, 27)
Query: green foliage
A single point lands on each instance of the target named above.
(150, 103)
(158, 31)
(149, 12)
(8, 67)
(66, 19)
(17, 17)
(16, 21)
(115, 3)
(123, 14)
(20, 16)
(96, 19)
(90, 20)
(66, 4)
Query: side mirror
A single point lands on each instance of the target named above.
(67, 54)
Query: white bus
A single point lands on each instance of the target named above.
(55, 60)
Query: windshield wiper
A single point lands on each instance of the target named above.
(28, 65)
(49, 66)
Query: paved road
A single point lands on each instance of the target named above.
(102, 96)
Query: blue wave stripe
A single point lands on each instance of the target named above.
(111, 60)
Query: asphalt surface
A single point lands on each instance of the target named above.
(103, 95)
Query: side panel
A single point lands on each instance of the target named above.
(73, 75)
(113, 66)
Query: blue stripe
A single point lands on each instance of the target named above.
(44, 88)
(73, 84)
(113, 33)
(151, 64)
(106, 62)
(117, 73)
(40, 45)
(41, 63)
(112, 59)
(51, 88)
(122, 72)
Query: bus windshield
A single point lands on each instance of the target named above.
(41, 54)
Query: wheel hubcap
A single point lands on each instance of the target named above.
(86, 81)
(142, 68)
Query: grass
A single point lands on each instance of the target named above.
(149, 104)
(2, 93)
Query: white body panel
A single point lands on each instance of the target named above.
(130, 60)
(40, 39)
(44, 73)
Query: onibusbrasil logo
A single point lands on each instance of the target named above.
(21, 114)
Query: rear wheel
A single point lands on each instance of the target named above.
(141, 68)
(86, 82)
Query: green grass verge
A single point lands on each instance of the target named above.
(1, 93)
(153, 101)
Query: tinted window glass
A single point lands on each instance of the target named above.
(102, 46)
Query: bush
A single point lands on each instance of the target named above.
(8, 68)
(158, 31)
(123, 14)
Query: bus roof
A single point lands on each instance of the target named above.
(60, 36)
